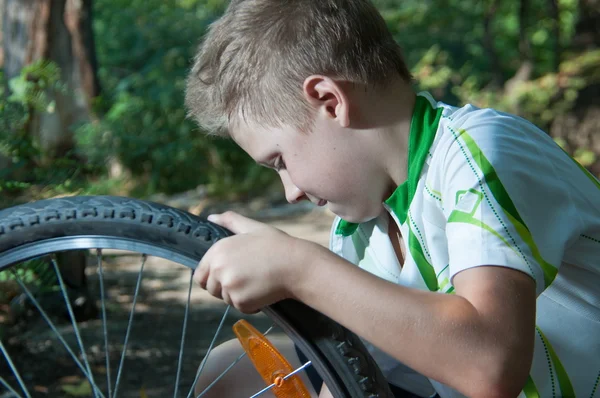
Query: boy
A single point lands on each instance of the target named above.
(477, 239)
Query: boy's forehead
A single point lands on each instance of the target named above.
(250, 137)
(243, 132)
(249, 132)
(261, 141)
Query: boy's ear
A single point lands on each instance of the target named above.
(328, 98)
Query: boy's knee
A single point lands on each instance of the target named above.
(215, 364)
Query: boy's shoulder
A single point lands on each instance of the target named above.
(487, 120)
(508, 157)
(468, 127)
(495, 134)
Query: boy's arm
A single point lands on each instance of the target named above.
(325, 393)
(478, 341)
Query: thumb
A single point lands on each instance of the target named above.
(235, 222)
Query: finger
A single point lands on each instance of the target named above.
(201, 273)
(248, 308)
(227, 298)
(200, 279)
(213, 286)
(236, 223)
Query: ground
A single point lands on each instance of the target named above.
(152, 352)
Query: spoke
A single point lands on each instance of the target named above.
(51, 324)
(15, 372)
(74, 323)
(209, 350)
(124, 353)
(104, 323)
(215, 381)
(185, 319)
(267, 388)
(9, 388)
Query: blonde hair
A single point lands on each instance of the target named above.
(253, 61)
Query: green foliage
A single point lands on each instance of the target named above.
(26, 95)
(458, 59)
(459, 50)
(24, 170)
(445, 41)
(540, 99)
(29, 88)
(146, 48)
(144, 53)
(36, 273)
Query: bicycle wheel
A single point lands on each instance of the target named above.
(104, 222)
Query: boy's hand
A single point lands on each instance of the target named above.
(254, 268)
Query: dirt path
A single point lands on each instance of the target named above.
(153, 349)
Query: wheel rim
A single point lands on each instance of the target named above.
(37, 249)
(55, 245)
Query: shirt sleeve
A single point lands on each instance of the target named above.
(503, 201)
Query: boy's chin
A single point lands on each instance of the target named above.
(357, 220)
(351, 216)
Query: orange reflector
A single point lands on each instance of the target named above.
(268, 361)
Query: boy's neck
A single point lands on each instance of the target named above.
(390, 113)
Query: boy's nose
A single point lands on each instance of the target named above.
(293, 194)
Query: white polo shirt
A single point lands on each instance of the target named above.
(488, 188)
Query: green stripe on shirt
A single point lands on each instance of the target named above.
(425, 268)
(530, 390)
(499, 192)
(458, 216)
(566, 388)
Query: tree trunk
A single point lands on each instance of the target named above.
(488, 44)
(1, 31)
(587, 29)
(556, 35)
(59, 31)
(525, 71)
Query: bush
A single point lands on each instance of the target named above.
(144, 49)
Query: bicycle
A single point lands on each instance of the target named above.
(102, 224)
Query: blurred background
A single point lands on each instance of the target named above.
(92, 91)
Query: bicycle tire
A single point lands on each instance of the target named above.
(28, 230)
